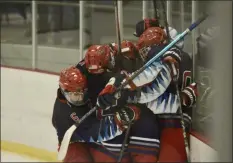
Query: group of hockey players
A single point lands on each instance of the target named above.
(147, 106)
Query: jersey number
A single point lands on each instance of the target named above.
(74, 117)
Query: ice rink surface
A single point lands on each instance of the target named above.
(12, 157)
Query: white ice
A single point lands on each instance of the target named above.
(12, 157)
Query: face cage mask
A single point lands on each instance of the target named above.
(144, 52)
(76, 98)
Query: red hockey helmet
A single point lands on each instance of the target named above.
(128, 49)
(73, 85)
(152, 36)
(98, 58)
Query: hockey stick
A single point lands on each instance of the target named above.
(186, 144)
(119, 52)
(177, 90)
(156, 13)
(66, 139)
(124, 143)
(165, 21)
(118, 34)
(117, 27)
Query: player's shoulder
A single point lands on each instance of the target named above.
(61, 113)
(82, 67)
(61, 103)
(155, 49)
(186, 61)
(63, 110)
(185, 57)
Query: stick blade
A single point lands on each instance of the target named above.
(65, 143)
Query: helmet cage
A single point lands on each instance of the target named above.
(77, 98)
(144, 52)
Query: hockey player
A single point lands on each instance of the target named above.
(143, 142)
(71, 104)
(172, 140)
(168, 122)
(151, 42)
(100, 70)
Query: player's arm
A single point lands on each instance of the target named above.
(149, 93)
(168, 102)
(91, 130)
(158, 75)
(82, 67)
(61, 119)
(100, 127)
(110, 126)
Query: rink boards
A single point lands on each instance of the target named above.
(27, 99)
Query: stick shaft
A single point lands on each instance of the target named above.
(117, 27)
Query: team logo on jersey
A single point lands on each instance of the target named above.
(74, 117)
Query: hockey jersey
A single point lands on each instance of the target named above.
(91, 130)
(154, 81)
(95, 82)
(159, 94)
(166, 105)
(168, 102)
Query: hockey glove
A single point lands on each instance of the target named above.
(108, 96)
(189, 95)
(128, 114)
(173, 59)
